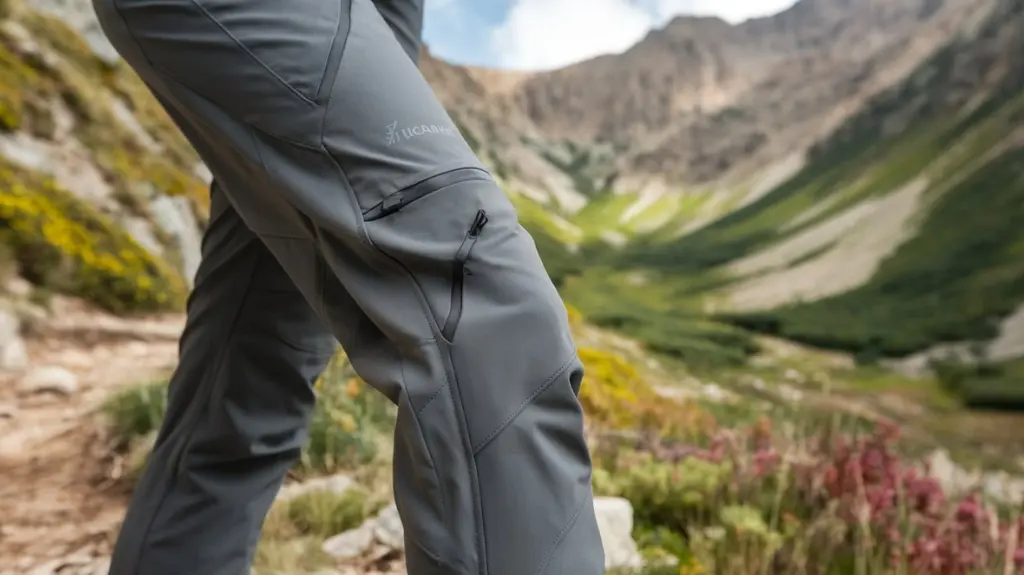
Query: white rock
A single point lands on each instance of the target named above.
(337, 484)
(351, 544)
(174, 215)
(388, 530)
(50, 379)
(19, 287)
(13, 355)
(615, 522)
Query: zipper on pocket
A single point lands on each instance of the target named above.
(459, 274)
(419, 190)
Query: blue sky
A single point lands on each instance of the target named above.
(540, 34)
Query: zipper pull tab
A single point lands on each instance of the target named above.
(478, 224)
(392, 204)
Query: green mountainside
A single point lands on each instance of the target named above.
(893, 238)
(917, 197)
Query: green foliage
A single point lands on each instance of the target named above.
(350, 422)
(65, 245)
(984, 384)
(324, 513)
(577, 162)
(951, 282)
(661, 313)
(28, 86)
(136, 412)
(24, 93)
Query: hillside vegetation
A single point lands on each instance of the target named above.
(749, 225)
(946, 142)
(78, 180)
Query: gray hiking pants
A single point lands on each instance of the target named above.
(347, 206)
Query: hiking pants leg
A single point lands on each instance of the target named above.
(239, 404)
(334, 151)
(405, 18)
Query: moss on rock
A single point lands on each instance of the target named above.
(63, 244)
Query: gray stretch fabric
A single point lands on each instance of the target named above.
(347, 206)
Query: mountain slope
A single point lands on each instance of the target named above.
(841, 208)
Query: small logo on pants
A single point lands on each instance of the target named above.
(396, 134)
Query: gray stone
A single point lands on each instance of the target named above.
(142, 233)
(615, 522)
(174, 215)
(19, 287)
(50, 379)
(13, 355)
(351, 544)
(388, 530)
(336, 484)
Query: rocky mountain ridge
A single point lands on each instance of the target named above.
(701, 102)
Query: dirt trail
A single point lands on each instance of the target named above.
(59, 501)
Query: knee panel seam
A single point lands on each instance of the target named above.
(508, 420)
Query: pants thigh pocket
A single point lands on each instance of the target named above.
(431, 231)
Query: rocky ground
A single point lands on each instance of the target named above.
(60, 501)
(62, 497)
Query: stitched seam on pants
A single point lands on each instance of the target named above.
(463, 424)
(249, 53)
(508, 421)
(561, 535)
(433, 468)
(117, 8)
(329, 75)
(432, 397)
(364, 235)
(219, 363)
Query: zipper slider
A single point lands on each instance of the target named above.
(392, 204)
(478, 224)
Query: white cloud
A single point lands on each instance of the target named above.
(539, 34)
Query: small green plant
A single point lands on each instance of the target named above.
(136, 412)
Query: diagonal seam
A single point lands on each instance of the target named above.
(248, 52)
(178, 454)
(508, 420)
(561, 535)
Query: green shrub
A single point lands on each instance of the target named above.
(350, 423)
(324, 513)
(135, 412)
(65, 245)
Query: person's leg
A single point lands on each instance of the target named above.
(336, 153)
(241, 395)
(405, 18)
(238, 407)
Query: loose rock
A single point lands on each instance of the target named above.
(351, 544)
(336, 484)
(50, 379)
(13, 355)
(615, 522)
